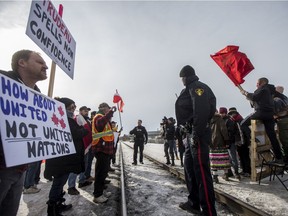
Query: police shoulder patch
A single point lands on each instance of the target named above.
(199, 91)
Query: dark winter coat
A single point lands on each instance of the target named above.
(170, 132)
(232, 128)
(262, 102)
(70, 163)
(195, 105)
(219, 130)
(140, 134)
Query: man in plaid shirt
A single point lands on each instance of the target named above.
(103, 149)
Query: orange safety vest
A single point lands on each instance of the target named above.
(106, 134)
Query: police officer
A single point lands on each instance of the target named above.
(194, 108)
(140, 137)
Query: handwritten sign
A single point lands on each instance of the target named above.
(47, 29)
(33, 126)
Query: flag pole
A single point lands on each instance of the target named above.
(53, 64)
(119, 111)
(119, 115)
(240, 87)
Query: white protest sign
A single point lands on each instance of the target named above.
(47, 29)
(33, 126)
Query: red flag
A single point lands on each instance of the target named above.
(235, 64)
(117, 99)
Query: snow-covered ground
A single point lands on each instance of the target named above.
(270, 196)
(154, 191)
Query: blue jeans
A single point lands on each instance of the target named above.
(72, 180)
(56, 190)
(31, 173)
(233, 157)
(11, 185)
(88, 158)
(88, 162)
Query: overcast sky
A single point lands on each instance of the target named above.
(139, 47)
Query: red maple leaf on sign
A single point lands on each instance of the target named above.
(55, 119)
(60, 110)
(62, 123)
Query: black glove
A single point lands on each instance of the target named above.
(195, 140)
(227, 144)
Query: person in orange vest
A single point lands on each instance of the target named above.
(103, 149)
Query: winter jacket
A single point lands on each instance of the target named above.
(219, 130)
(170, 132)
(262, 102)
(140, 134)
(70, 163)
(195, 105)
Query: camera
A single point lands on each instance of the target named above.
(164, 121)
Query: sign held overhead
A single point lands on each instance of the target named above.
(47, 29)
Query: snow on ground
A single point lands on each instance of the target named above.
(270, 196)
(154, 191)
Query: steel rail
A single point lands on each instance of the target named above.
(235, 205)
(122, 184)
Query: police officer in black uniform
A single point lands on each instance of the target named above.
(194, 108)
(140, 137)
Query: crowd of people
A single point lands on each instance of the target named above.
(208, 140)
(93, 137)
(219, 139)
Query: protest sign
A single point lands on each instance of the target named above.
(33, 126)
(47, 29)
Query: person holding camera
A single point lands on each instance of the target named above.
(194, 109)
(103, 149)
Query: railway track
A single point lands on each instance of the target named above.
(235, 205)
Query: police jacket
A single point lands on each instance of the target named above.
(140, 133)
(195, 105)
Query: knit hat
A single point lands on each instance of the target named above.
(66, 101)
(232, 110)
(187, 71)
(222, 110)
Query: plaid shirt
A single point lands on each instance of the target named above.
(100, 122)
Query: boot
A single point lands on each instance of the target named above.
(62, 206)
(52, 209)
(225, 177)
(182, 165)
(215, 179)
(177, 158)
(173, 164)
